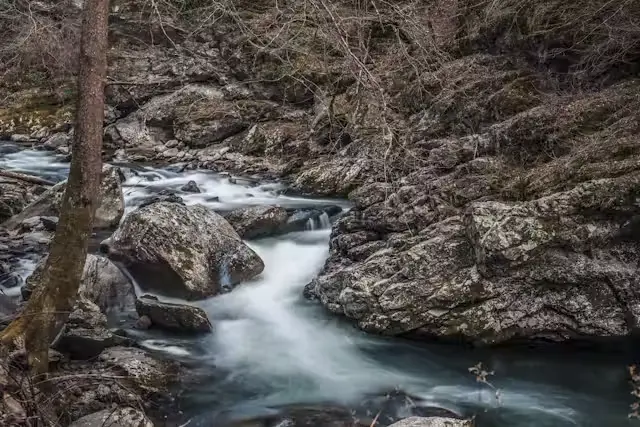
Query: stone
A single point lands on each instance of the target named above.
(102, 283)
(143, 323)
(85, 335)
(148, 374)
(184, 252)
(17, 137)
(41, 133)
(432, 422)
(57, 140)
(14, 197)
(190, 187)
(258, 221)
(50, 223)
(118, 417)
(175, 317)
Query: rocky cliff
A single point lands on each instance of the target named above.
(491, 149)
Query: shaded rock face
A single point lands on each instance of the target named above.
(258, 221)
(186, 252)
(174, 317)
(85, 335)
(108, 213)
(432, 422)
(102, 283)
(118, 417)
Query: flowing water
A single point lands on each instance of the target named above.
(271, 348)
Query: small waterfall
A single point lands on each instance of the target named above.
(311, 224)
(320, 222)
(325, 222)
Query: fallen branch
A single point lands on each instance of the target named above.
(26, 178)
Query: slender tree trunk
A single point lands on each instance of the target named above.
(49, 307)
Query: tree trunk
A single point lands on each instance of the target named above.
(49, 307)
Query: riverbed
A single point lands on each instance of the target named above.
(271, 348)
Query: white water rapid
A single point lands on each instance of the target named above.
(271, 347)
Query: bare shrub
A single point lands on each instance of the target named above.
(40, 42)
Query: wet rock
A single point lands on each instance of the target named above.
(102, 282)
(108, 213)
(432, 422)
(310, 218)
(57, 141)
(190, 187)
(143, 323)
(85, 335)
(185, 252)
(258, 221)
(118, 417)
(175, 317)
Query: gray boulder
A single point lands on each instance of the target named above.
(174, 317)
(185, 252)
(102, 283)
(108, 213)
(258, 221)
(432, 422)
(118, 417)
(57, 140)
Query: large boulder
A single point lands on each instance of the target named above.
(102, 282)
(108, 213)
(258, 221)
(118, 417)
(174, 317)
(185, 252)
(555, 268)
(432, 422)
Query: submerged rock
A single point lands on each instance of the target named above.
(185, 252)
(118, 417)
(190, 187)
(174, 317)
(432, 422)
(258, 221)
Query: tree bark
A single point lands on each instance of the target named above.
(49, 307)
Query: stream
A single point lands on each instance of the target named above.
(272, 348)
